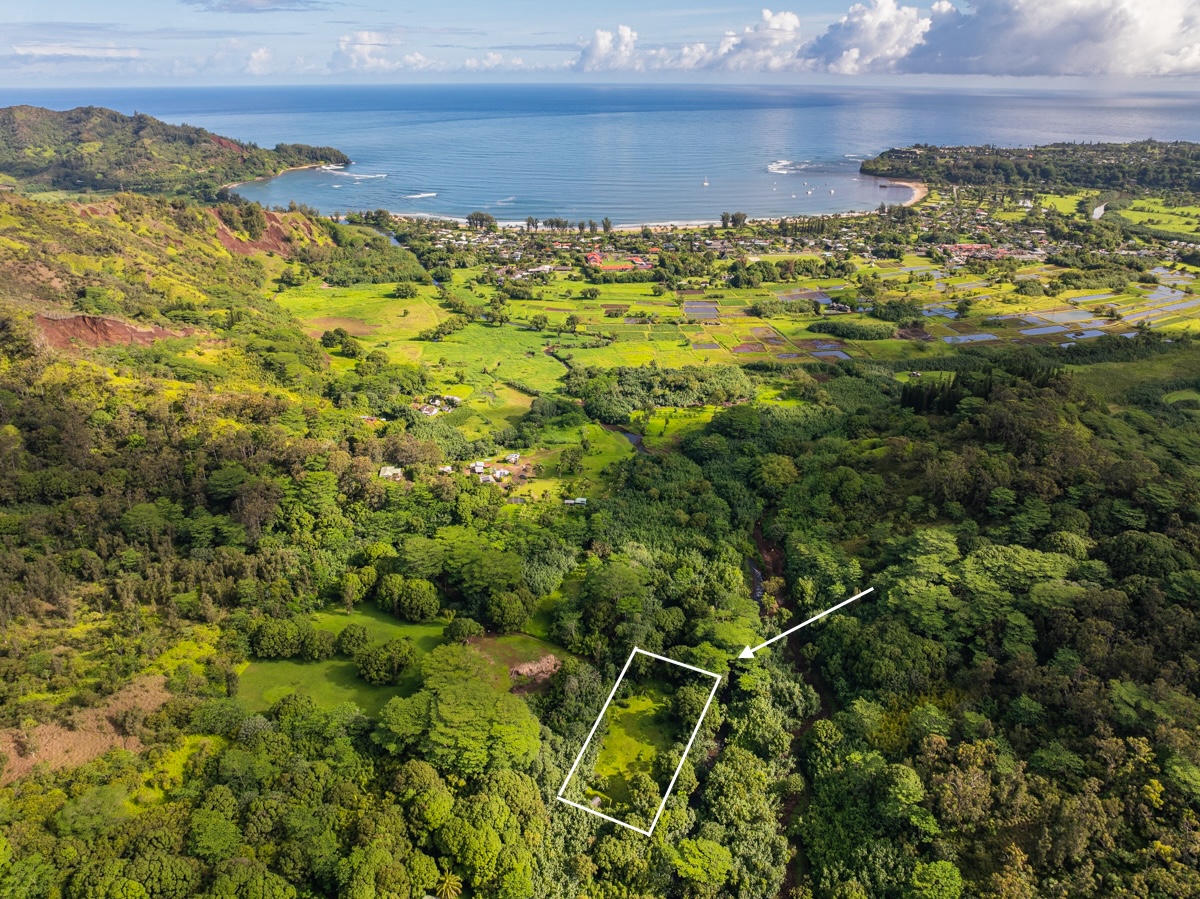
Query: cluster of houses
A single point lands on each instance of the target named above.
(619, 263)
(436, 404)
(489, 475)
(486, 472)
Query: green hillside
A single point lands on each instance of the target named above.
(91, 148)
(320, 555)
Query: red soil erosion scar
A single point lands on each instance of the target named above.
(62, 333)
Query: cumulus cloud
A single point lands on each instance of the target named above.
(375, 51)
(1061, 37)
(951, 37)
(769, 45)
(607, 51)
(490, 60)
(259, 62)
(869, 38)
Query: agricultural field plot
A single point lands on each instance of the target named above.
(265, 681)
(499, 406)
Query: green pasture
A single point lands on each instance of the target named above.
(365, 310)
(667, 425)
(1176, 396)
(488, 353)
(636, 730)
(328, 683)
(1157, 214)
(1064, 203)
(334, 681)
(1111, 380)
(605, 448)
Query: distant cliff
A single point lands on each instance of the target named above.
(99, 149)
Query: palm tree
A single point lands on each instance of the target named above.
(531, 224)
(449, 886)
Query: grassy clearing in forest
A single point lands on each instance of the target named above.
(328, 683)
(636, 730)
(1111, 380)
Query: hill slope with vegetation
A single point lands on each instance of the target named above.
(214, 528)
(91, 148)
(1142, 166)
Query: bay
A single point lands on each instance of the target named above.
(636, 154)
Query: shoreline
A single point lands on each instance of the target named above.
(295, 168)
(920, 190)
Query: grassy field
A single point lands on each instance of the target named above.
(667, 425)
(626, 325)
(264, 682)
(1111, 380)
(635, 732)
(1180, 395)
(605, 448)
(1155, 212)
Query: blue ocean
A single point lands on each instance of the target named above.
(635, 154)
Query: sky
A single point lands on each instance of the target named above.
(1110, 43)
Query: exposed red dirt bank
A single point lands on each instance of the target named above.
(95, 330)
(274, 238)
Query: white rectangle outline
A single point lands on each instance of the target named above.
(600, 717)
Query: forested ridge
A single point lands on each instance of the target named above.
(1012, 713)
(1140, 166)
(91, 148)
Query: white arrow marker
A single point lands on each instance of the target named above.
(748, 653)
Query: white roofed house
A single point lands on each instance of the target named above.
(391, 473)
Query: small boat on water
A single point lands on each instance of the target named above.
(706, 180)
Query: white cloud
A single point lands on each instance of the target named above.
(374, 51)
(490, 60)
(259, 62)
(769, 45)
(950, 37)
(609, 52)
(1062, 37)
(869, 38)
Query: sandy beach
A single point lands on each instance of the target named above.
(919, 188)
